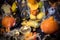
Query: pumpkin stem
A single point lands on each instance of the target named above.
(50, 18)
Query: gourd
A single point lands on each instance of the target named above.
(8, 22)
(32, 17)
(33, 12)
(14, 5)
(40, 15)
(6, 8)
(30, 23)
(30, 36)
(49, 25)
(33, 5)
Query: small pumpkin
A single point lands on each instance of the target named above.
(8, 22)
(49, 25)
(33, 5)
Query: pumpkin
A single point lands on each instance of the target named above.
(49, 25)
(8, 22)
(33, 5)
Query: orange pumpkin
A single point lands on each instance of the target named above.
(8, 22)
(49, 25)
